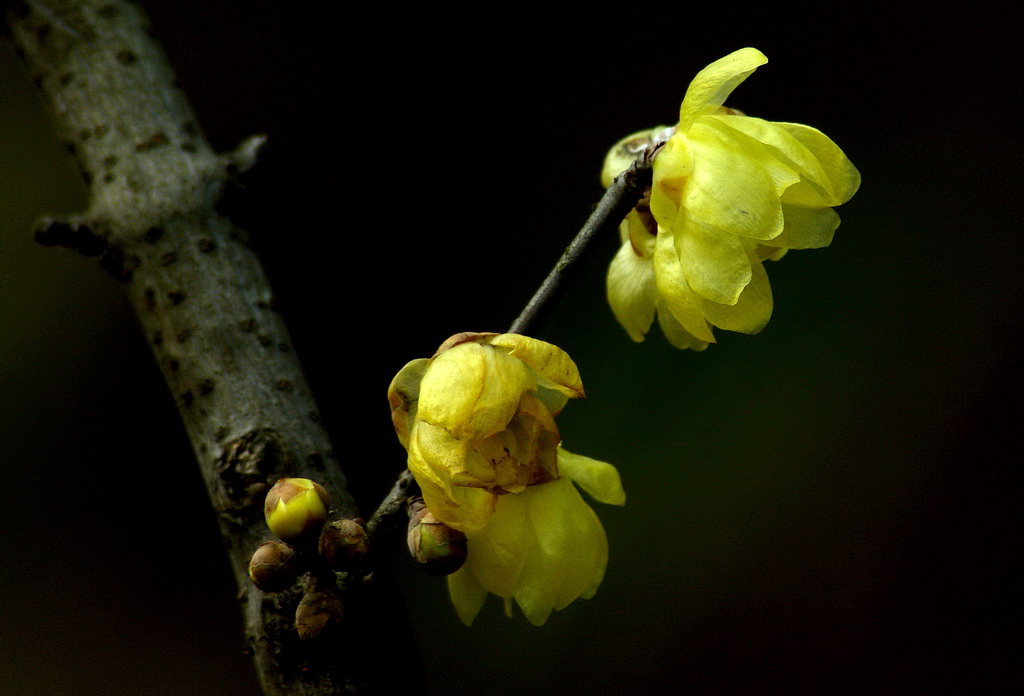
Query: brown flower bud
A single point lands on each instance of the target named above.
(319, 610)
(275, 566)
(343, 544)
(439, 549)
(296, 508)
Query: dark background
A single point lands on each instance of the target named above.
(828, 507)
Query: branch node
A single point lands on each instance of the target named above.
(244, 157)
(72, 233)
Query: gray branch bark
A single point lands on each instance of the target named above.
(199, 292)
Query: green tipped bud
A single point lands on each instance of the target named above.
(319, 610)
(439, 549)
(275, 566)
(296, 509)
(343, 545)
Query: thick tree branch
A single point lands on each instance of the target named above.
(200, 294)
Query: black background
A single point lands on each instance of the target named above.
(828, 507)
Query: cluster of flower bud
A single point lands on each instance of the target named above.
(296, 511)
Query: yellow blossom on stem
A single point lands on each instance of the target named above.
(729, 192)
(477, 420)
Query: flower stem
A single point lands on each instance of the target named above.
(618, 200)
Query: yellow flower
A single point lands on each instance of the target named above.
(729, 192)
(477, 420)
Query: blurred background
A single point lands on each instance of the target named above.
(828, 507)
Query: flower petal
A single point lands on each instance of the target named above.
(714, 262)
(770, 158)
(403, 395)
(806, 228)
(843, 179)
(782, 144)
(497, 552)
(454, 477)
(599, 479)
(467, 594)
(806, 193)
(753, 309)
(713, 85)
(571, 549)
(452, 460)
(675, 333)
(552, 365)
(668, 276)
(472, 390)
(631, 291)
(466, 509)
(732, 186)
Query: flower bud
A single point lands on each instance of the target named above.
(318, 610)
(296, 508)
(343, 544)
(275, 566)
(439, 549)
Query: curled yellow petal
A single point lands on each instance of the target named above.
(467, 594)
(713, 85)
(472, 390)
(552, 365)
(714, 263)
(632, 293)
(450, 457)
(675, 333)
(497, 552)
(464, 508)
(843, 178)
(782, 144)
(567, 550)
(751, 311)
(403, 395)
(674, 291)
(599, 479)
(806, 228)
(731, 189)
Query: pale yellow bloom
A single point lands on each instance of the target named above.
(477, 420)
(729, 192)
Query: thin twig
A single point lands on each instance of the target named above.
(621, 197)
(393, 503)
(618, 200)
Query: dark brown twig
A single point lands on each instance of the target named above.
(392, 504)
(617, 201)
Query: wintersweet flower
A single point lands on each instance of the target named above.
(729, 192)
(477, 420)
